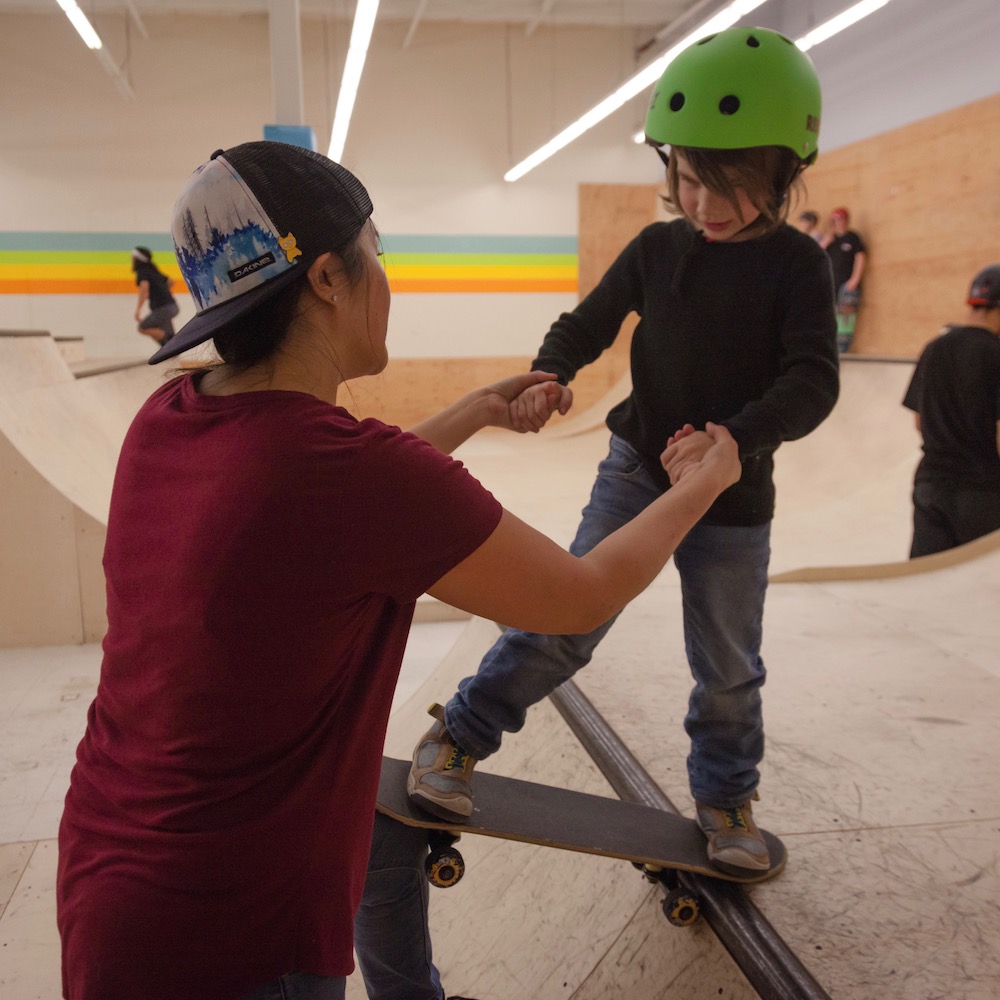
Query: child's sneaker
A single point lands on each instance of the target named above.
(735, 845)
(440, 779)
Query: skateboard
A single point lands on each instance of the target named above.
(659, 843)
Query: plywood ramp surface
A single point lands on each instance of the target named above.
(70, 430)
(882, 775)
(531, 921)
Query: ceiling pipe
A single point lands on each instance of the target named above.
(547, 6)
(417, 16)
(136, 20)
(285, 35)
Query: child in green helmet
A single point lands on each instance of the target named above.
(736, 328)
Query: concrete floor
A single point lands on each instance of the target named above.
(44, 696)
(881, 774)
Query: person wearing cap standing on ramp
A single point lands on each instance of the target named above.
(955, 397)
(264, 552)
(848, 258)
(736, 328)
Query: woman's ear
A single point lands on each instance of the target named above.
(324, 275)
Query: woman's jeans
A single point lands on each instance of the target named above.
(301, 986)
(391, 936)
(723, 572)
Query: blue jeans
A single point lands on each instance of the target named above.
(723, 573)
(391, 936)
(301, 986)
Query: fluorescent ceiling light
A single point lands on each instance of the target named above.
(361, 33)
(725, 18)
(837, 24)
(93, 42)
(79, 21)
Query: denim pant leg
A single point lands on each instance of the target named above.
(302, 986)
(522, 668)
(723, 573)
(391, 936)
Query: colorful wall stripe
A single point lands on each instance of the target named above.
(98, 263)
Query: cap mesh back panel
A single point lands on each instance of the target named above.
(320, 202)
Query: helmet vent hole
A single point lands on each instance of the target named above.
(753, 42)
(705, 40)
(677, 101)
(729, 104)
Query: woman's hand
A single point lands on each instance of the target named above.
(712, 451)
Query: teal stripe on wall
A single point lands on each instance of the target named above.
(157, 242)
(161, 243)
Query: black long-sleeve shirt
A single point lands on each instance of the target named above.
(741, 334)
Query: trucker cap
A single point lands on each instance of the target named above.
(251, 220)
(985, 290)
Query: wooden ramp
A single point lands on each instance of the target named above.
(882, 777)
(59, 443)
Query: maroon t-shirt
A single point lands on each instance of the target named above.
(264, 552)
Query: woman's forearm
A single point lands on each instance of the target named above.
(455, 424)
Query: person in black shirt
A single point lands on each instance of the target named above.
(848, 257)
(736, 329)
(955, 394)
(154, 288)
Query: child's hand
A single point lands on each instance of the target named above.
(524, 403)
(684, 432)
(530, 410)
(712, 451)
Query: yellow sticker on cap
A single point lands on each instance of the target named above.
(291, 250)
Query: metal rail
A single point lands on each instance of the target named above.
(770, 967)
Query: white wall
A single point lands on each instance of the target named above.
(435, 126)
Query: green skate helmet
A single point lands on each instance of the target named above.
(739, 88)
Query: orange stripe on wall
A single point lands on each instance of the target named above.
(41, 286)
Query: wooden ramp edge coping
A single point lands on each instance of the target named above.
(86, 369)
(884, 571)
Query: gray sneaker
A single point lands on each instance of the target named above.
(440, 779)
(735, 845)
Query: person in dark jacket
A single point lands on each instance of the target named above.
(955, 398)
(736, 328)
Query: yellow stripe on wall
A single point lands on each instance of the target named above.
(40, 271)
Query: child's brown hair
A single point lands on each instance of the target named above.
(768, 174)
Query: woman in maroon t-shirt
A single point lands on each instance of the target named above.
(264, 553)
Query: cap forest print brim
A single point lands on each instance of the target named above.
(230, 246)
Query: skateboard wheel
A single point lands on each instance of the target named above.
(444, 868)
(681, 907)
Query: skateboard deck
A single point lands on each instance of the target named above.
(512, 809)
